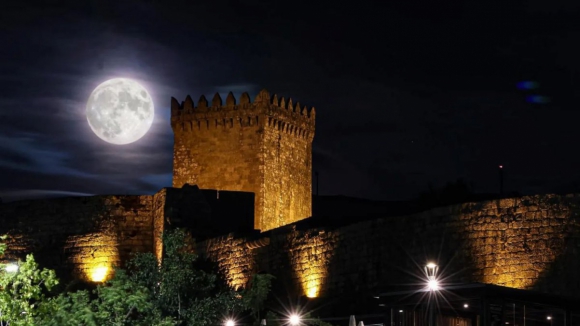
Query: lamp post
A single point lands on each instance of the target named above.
(433, 286)
(294, 320)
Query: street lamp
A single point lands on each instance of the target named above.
(432, 285)
(431, 269)
(294, 320)
(11, 268)
(230, 322)
(431, 272)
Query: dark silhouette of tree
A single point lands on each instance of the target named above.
(452, 193)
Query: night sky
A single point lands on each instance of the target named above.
(407, 95)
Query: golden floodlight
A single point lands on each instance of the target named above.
(312, 283)
(94, 255)
(314, 259)
(99, 273)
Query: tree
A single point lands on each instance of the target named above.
(189, 295)
(23, 290)
(118, 303)
(174, 292)
(452, 193)
(255, 296)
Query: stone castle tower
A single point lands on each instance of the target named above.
(264, 147)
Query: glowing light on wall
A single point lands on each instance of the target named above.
(159, 223)
(93, 256)
(234, 258)
(515, 252)
(311, 261)
(312, 287)
(98, 274)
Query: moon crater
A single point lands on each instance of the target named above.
(120, 111)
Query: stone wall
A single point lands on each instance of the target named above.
(234, 259)
(528, 243)
(82, 236)
(262, 147)
(288, 175)
(159, 215)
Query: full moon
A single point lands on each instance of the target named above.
(120, 111)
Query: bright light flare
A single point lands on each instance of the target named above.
(549, 318)
(312, 291)
(465, 305)
(230, 322)
(294, 319)
(99, 274)
(11, 268)
(431, 265)
(433, 285)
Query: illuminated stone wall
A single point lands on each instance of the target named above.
(93, 255)
(287, 175)
(83, 237)
(159, 216)
(262, 147)
(234, 257)
(310, 254)
(529, 242)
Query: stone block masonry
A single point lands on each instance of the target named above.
(264, 147)
(83, 237)
(527, 243)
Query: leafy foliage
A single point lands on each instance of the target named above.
(255, 296)
(120, 302)
(189, 295)
(23, 291)
(173, 292)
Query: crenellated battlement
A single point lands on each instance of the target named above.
(265, 110)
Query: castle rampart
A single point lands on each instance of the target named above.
(264, 147)
(529, 242)
(79, 236)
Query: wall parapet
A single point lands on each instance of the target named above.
(266, 110)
